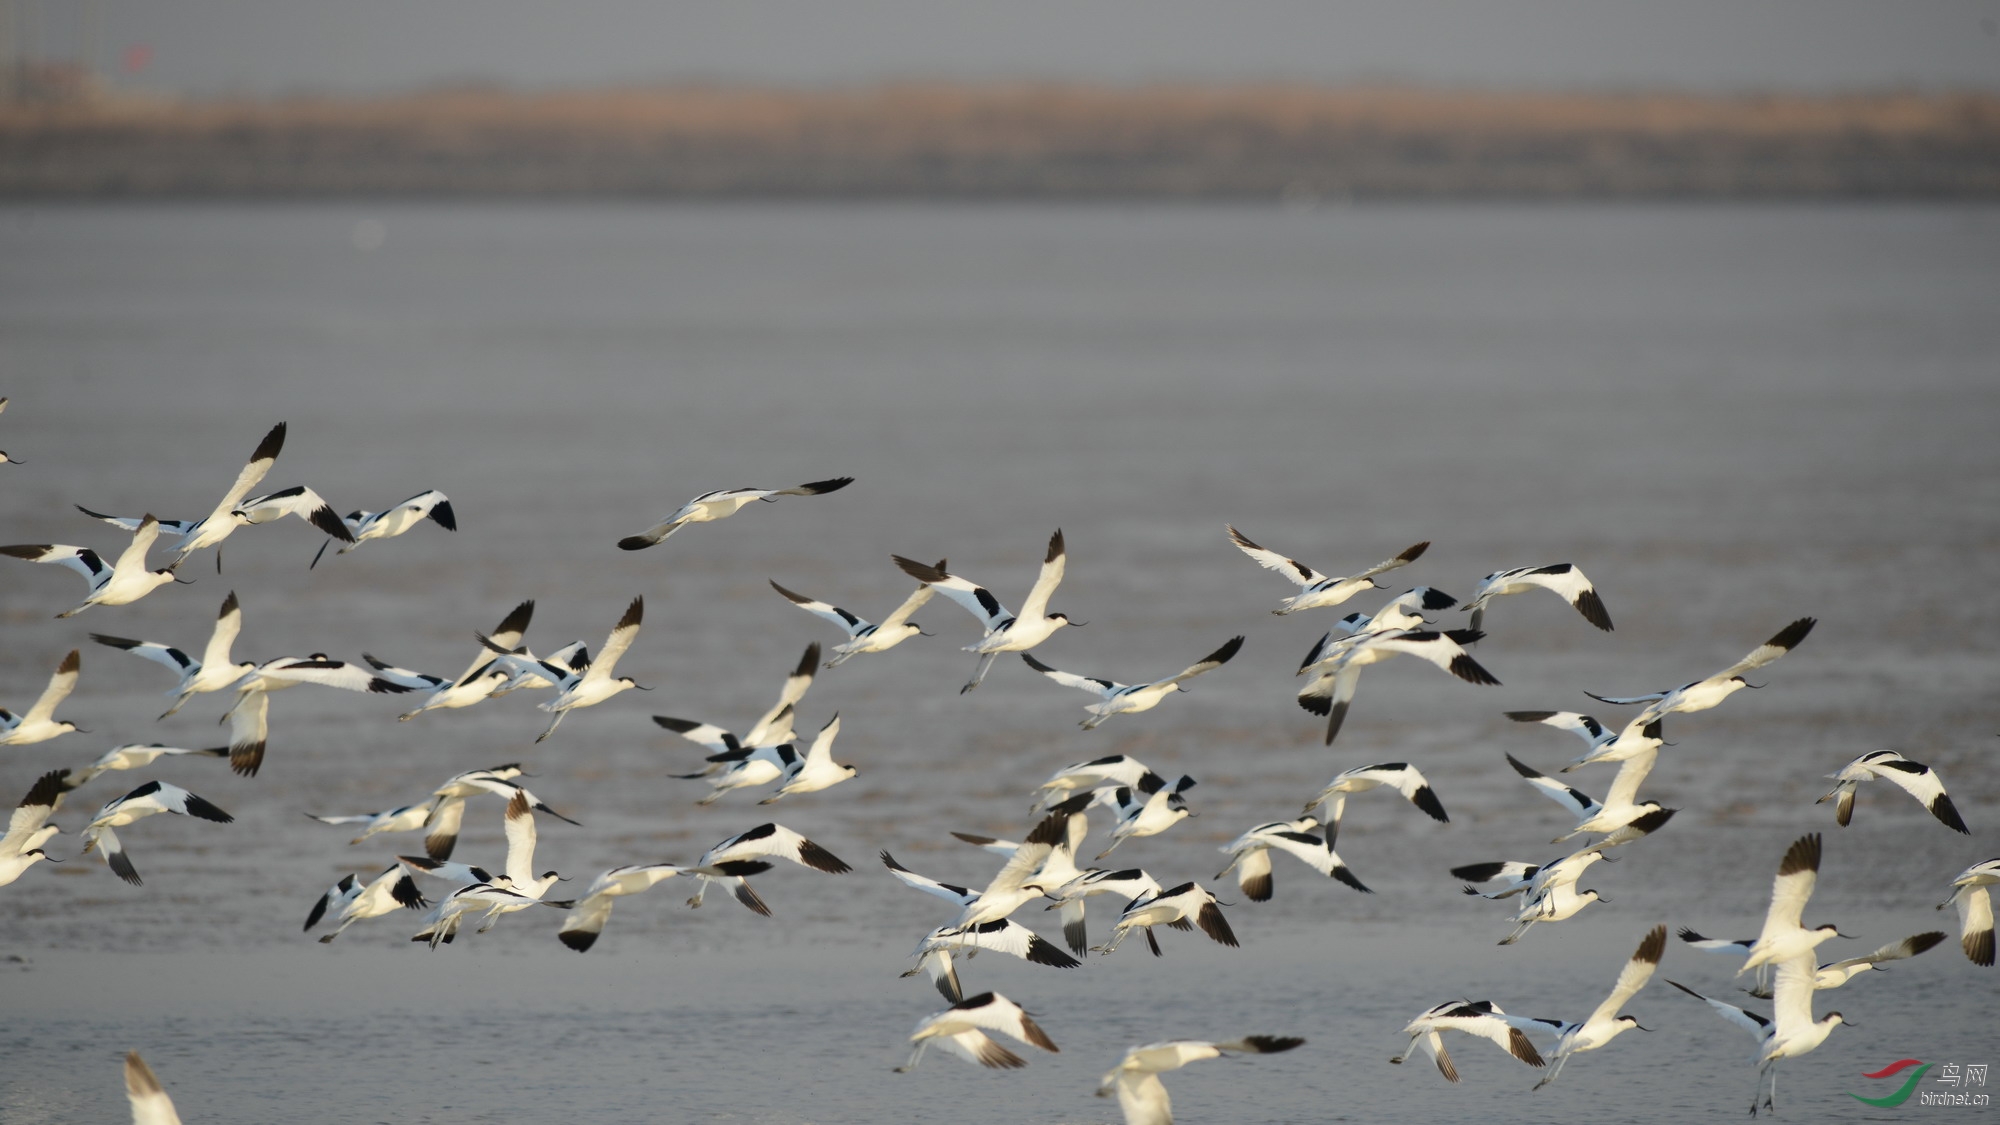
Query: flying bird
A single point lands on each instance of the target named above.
(1915, 778)
(1136, 1078)
(1005, 631)
(363, 526)
(1130, 699)
(1317, 589)
(1561, 579)
(39, 723)
(121, 583)
(727, 502)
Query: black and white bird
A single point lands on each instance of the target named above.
(232, 511)
(1331, 690)
(866, 636)
(1330, 803)
(150, 1103)
(1183, 907)
(1561, 579)
(213, 672)
(962, 1030)
(39, 722)
(1706, 693)
(1005, 631)
(586, 919)
(1975, 909)
(363, 526)
(1915, 778)
(135, 755)
(1620, 807)
(1605, 744)
(1481, 1019)
(1112, 769)
(147, 800)
(796, 771)
(447, 804)
(1130, 699)
(486, 674)
(772, 729)
(1605, 1023)
(1317, 589)
(121, 583)
(403, 818)
(1124, 885)
(1002, 935)
(1142, 812)
(1555, 902)
(352, 900)
(595, 684)
(1136, 1078)
(1833, 974)
(722, 504)
(1530, 879)
(1791, 1032)
(1784, 938)
(28, 827)
(249, 716)
(746, 853)
(1250, 856)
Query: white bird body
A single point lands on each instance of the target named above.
(1189, 904)
(1331, 690)
(1005, 631)
(721, 504)
(149, 799)
(1317, 589)
(1915, 778)
(1250, 856)
(447, 804)
(1136, 1078)
(1791, 1032)
(1559, 902)
(1706, 693)
(28, 827)
(586, 919)
(1330, 803)
(1783, 938)
(353, 901)
(486, 675)
(405, 818)
(1482, 1019)
(1605, 744)
(1975, 909)
(961, 1029)
(39, 722)
(213, 672)
(1605, 1023)
(865, 636)
(1833, 974)
(1129, 699)
(596, 684)
(816, 770)
(1561, 579)
(121, 583)
(1072, 897)
(363, 526)
(1620, 807)
(1142, 813)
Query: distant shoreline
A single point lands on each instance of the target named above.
(1294, 143)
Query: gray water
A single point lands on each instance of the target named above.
(1728, 417)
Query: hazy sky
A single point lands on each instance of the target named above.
(209, 46)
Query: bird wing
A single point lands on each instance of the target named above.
(299, 501)
(1575, 800)
(1102, 688)
(774, 840)
(1747, 1020)
(150, 1103)
(1923, 783)
(1793, 886)
(1634, 975)
(228, 623)
(520, 823)
(506, 636)
(910, 605)
(794, 689)
(60, 685)
(948, 891)
(1633, 770)
(975, 599)
(1583, 726)
(1782, 642)
(1036, 605)
(83, 560)
(1207, 663)
(1271, 560)
(254, 470)
(847, 621)
(1791, 995)
(249, 728)
(620, 639)
(1894, 951)
(32, 812)
(133, 557)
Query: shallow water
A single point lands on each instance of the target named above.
(1729, 417)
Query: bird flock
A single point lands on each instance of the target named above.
(769, 759)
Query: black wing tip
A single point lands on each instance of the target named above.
(1803, 855)
(272, 445)
(246, 760)
(206, 810)
(1055, 547)
(922, 572)
(1224, 654)
(808, 663)
(329, 521)
(1789, 637)
(1592, 608)
(819, 859)
(1978, 947)
(1216, 926)
(444, 517)
(579, 940)
(1043, 952)
(1258, 887)
(1521, 768)
(121, 865)
(1427, 800)
(1037, 665)
(1414, 552)
(1466, 668)
(1335, 716)
(1479, 872)
(1272, 1044)
(1347, 876)
(634, 543)
(822, 487)
(1654, 946)
(1947, 814)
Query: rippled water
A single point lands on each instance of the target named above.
(1729, 417)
